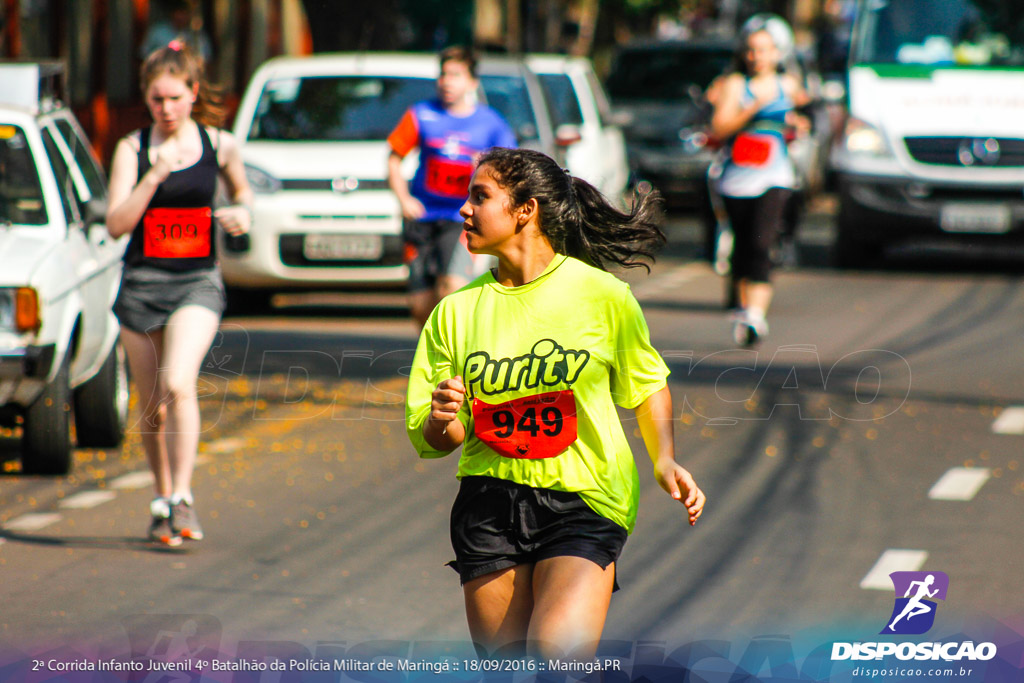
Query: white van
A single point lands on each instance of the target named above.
(934, 144)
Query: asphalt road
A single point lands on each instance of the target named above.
(821, 451)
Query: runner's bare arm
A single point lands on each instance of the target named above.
(236, 218)
(655, 418)
(730, 116)
(411, 207)
(443, 430)
(126, 199)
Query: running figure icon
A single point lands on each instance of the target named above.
(915, 606)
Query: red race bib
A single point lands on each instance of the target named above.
(750, 149)
(531, 428)
(177, 233)
(448, 178)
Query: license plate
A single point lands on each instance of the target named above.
(342, 247)
(975, 218)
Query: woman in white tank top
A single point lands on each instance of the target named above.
(753, 111)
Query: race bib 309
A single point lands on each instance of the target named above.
(177, 233)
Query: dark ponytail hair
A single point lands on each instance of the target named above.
(575, 217)
(178, 60)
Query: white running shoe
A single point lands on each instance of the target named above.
(749, 327)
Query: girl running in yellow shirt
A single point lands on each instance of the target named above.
(523, 368)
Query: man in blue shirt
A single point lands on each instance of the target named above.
(450, 132)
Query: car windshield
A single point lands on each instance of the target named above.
(562, 101)
(21, 197)
(953, 32)
(665, 72)
(335, 108)
(509, 96)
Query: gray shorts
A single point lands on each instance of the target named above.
(148, 296)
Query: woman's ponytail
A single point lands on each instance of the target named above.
(575, 217)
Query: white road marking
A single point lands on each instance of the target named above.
(33, 521)
(226, 445)
(133, 480)
(671, 280)
(892, 560)
(960, 483)
(87, 499)
(1010, 421)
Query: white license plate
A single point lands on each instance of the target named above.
(342, 247)
(976, 218)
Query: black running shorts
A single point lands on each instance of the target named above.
(433, 249)
(497, 524)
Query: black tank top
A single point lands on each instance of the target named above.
(190, 188)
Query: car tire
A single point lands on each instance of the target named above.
(248, 301)
(46, 433)
(851, 249)
(101, 404)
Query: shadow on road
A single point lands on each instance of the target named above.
(92, 542)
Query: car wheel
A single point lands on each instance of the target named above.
(248, 301)
(101, 404)
(851, 249)
(46, 439)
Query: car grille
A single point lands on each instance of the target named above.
(328, 184)
(955, 151)
(290, 250)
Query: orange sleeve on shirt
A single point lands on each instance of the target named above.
(406, 135)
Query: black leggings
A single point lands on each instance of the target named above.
(757, 223)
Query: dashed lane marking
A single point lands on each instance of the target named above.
(132, 480)
(892, 560)
(33, 521)
(671, 280)
(960, 483)
(1010, 421)
(226, 445)
(87, 499)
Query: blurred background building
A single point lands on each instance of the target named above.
(103, 41)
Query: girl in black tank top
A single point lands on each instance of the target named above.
(172, 295)
(188, 231)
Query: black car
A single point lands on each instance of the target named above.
(657, 90)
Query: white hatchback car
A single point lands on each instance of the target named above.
(581, 114)
(313, 132)
(59, 275)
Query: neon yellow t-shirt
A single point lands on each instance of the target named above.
(573, 328)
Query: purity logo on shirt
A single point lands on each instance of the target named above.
(547, 364)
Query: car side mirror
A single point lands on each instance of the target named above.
(94, 213)
(567, 134)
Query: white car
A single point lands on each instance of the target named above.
(581, 114)
(313, 136)
(59, 275)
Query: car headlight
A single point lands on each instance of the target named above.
(862, 139)
(19, 309)
(260, 181)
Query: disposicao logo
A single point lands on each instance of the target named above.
(914, 613)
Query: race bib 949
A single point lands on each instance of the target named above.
(531, 427)
(177, 233)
